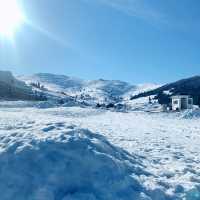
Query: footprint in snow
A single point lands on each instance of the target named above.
(57, 126)
(48, 128)
(178, 155)
(60, 124)
(71, 126)
(31, 122)
(147, 133)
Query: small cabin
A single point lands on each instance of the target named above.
(181, 102)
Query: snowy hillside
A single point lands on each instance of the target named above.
(54, 82)
(6, 77)
(106, 90)
(14, 89)
(94, 91)
(189, 86)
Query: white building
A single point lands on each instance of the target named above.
(181, 102)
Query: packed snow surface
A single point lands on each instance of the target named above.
(69, 164)
(75, 153)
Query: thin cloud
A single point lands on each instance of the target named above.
(135, 8)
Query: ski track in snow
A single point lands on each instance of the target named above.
(168, 144)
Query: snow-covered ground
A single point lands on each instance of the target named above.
(68, 153)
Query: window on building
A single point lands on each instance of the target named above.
(189, 101)
(175, 102)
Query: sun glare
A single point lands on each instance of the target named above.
(10, 17)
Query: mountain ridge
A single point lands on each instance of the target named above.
(187, 86)
(98, 91)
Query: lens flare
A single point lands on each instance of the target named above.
(11, 17)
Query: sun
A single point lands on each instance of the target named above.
(11, 17)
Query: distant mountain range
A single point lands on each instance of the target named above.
(44, 86)
(96, 91)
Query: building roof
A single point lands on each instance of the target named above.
(180, 96)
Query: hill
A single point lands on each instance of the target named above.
(189, 86)
(90, 91)
(14, 89)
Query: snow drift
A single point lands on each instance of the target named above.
(191, 114)
(73, 165)
(60, 162)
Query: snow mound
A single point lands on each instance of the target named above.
(191, 114)
(75, 165)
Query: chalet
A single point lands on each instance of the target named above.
(181, 102)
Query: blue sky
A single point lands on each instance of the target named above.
(131, 40)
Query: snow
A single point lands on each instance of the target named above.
(191, 113)
(73, 164)
(168, 92)
(72, 151)
(7, 78)
(107, 90)
(84, 153)
(142, 104)
(89, 91)
(54, 82)
(14, 89)
(140, 88)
